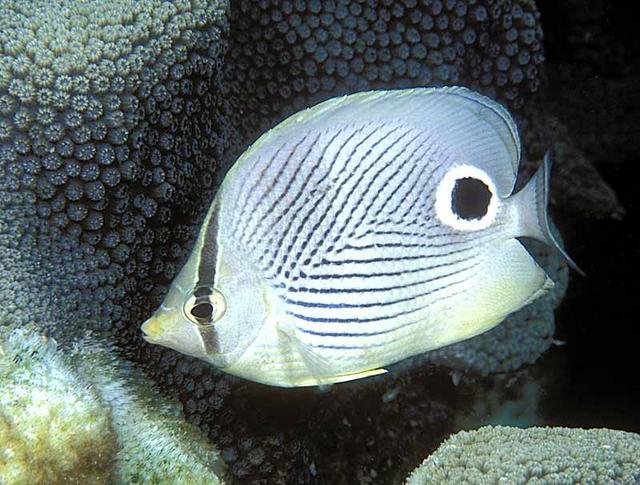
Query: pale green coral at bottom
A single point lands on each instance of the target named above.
(533, 456)
(157, 445)
(53, 427)
(83, 416)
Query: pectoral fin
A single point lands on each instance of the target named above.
(322, 372)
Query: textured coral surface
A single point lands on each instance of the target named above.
(53, 427)
(83, 416)
(106, 156)
(533, 456)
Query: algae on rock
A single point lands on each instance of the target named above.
(53, 426)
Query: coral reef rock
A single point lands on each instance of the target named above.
(533, 455)
(83, 416)
(109, 140)
(53, 426)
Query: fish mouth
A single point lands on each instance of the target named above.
(162, 329)
(147, 338)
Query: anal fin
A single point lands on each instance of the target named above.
(359, 375)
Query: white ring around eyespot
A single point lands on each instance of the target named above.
(443, 199)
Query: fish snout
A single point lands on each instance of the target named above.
(152, 329)
(171, 330)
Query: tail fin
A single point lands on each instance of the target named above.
(534, 223)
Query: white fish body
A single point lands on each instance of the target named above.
(334, 246)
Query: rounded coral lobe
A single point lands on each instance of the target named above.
(112, 125)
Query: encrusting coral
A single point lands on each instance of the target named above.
(53, 426)
(288, 55)
(108, 147)
(116, 118)
(83, 416)
(533, 456)
(156, 445)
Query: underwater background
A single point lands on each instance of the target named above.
(118, 120)
(593, 75)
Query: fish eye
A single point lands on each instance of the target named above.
(466, 199)
(205, 306)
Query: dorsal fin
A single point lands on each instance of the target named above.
(479, 129)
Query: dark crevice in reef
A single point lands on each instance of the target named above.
(593, 66)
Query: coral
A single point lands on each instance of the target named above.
(534, 455)
(53, 426)
(294, 53)
(83, 416)
(109, 140)
(156, 445)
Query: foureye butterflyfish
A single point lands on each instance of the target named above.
(359, 232)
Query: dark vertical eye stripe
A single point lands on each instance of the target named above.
(210, 340)
(209, 250)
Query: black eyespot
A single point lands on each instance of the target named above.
(202, 311)
(470, 198)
